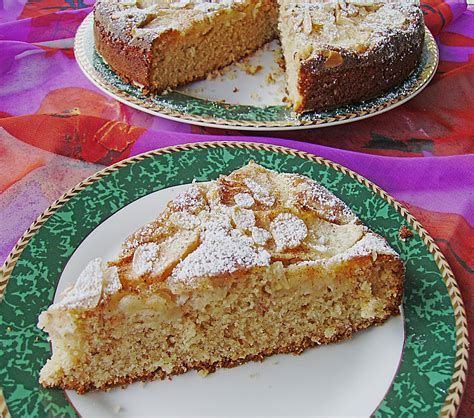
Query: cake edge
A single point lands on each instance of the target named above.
(404, 55)
(123, 59)
(227, 363)
(126, 59)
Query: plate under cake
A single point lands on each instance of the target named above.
(337, 52)
(252, 264)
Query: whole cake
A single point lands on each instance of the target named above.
(337, 52)
(252, 264)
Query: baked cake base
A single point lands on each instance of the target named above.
(229, 331)
(251, 264)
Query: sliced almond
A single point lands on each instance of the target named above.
(307, 22)
(333, 59)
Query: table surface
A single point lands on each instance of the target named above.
(56, 128)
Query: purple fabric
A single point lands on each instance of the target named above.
(461, 26)
(458, 7)
(421, 181)
(56, 127)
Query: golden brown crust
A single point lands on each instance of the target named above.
(359, 77)
(124, 59)
(341, 335)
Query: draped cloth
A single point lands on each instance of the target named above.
(56, 128)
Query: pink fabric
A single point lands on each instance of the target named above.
(56, 128)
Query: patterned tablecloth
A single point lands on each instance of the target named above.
(56, 128)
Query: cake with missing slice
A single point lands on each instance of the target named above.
(337, 52)
(246, 266)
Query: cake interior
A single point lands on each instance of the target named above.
(207, 44)
(252, 317)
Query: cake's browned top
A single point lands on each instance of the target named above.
(354, 25)
(253, 218)
(348, 24)
(139, 22)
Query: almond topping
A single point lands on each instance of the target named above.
(333, 59)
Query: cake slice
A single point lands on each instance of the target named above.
(342, 52)
(252, 264)
(162, 44)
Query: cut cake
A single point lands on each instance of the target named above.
(336, 52)
(252, 264)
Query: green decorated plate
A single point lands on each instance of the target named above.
(238, 100)
(413, 365)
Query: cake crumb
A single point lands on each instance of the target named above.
(214, 74)
(203, 372)
(270, 78)
(404, 233)
(250, 69)
(281, 62)
(235, 90)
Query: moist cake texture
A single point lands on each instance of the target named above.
(162, 44)
(337, 52)
(252, 264)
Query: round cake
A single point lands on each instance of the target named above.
(337, 52)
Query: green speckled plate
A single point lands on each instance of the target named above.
(414, 365)
(237, 100)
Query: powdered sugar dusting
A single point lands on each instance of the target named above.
(244, 200)
(309, 193)
(190, 200)
(140, 22)
(260, 236)
(288, 231)
(260, 193)
(216, 222)
(318, 247)
(112, 282)
(219, 253)
(349, 24)
(144, 234)
(185, 220)
(369, 244)
(244, 219)
(156, 259)
(86, 293)
(334, 207)
(143, 259)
